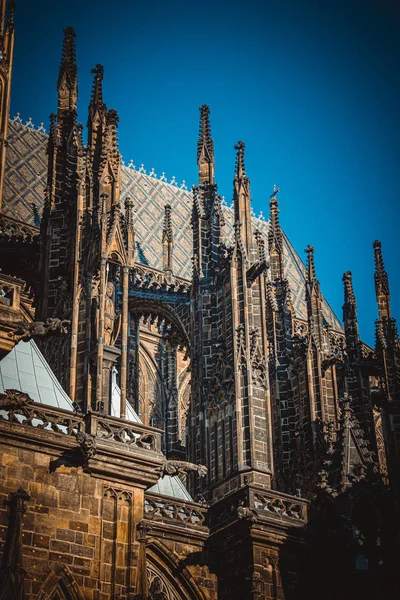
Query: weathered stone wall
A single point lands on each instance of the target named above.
(74, 520)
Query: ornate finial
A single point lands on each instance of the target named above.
(205, 140)
(167, 239)
(381, 277)
(97, 89)
(112, 117)
(275, 240)
(349, 297)
(129, 204)
(275, 192)
(311, 276)
(240, 170)
(68, 59)
(167, 231)
(350, 318)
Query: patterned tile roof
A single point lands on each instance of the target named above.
(25, 174)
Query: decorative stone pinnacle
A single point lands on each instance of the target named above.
(97, 91)
(349, 296)
(167, 233)
(205, 140)
(240, 170)
(310, 263)
(68, 58)
(379, 265)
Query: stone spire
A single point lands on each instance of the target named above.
(242, 199)
(97, 109)
(205, 148)
(311, 276)
(275, 239)
(6, 64)
(67, 84)
(167, 239)
(381, 283)
(350, 318)
(313, 299)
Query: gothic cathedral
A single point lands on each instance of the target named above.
(182, 415)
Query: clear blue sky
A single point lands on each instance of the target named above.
(312, 88)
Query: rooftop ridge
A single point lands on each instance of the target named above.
(131, 165)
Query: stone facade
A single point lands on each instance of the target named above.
(203, 357)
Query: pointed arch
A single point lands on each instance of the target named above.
(173, 572)
(60, 585)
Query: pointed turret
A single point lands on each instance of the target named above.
(381, 283)
(205, 148)
(350, 318)
(242, 199)
(67, 85)
(167, 239)
(275, 239)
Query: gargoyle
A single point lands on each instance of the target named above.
(87, 443)
(256, 269)
(26, 331)
(176, 467)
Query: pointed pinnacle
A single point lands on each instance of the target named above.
(205, 139)
(10, 16)
(311, 276)
(97, 89)
(68, 58)
(381, 277)
(167, 231)
(240, 170)
(349, 297)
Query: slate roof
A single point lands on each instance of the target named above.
(25, 180)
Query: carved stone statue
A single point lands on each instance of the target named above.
(176, 467)
(26, 331)
(111, 321)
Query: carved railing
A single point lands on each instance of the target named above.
(279, 505)
(14, 230)
(130, 435)
(17, 407)
(163, 508)
(21, 409)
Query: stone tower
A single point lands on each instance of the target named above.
(87, 243)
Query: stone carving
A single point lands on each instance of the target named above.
(244, 512)
(177, 467)
(111, 321)
(27, 331)
(87, 443)
(157, 508)
(128, 435)
(13, 399)
(220, 388)
(158, 589)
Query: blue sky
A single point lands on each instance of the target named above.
(311, 87)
